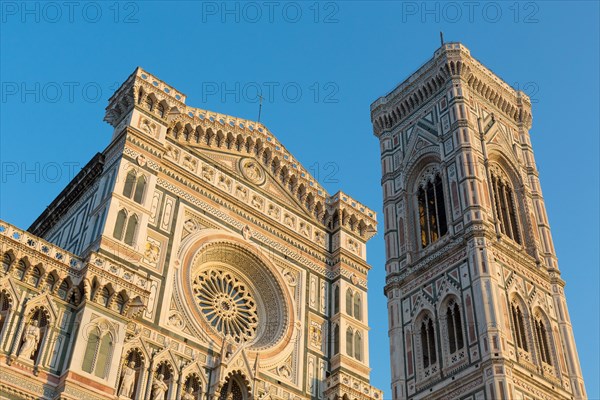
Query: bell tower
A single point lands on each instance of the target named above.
(475, 300)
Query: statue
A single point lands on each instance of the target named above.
(30, 339)
(159, 388)
(188, 394)
(128, 380)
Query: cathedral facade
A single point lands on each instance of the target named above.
(476, 304)
(193, 258)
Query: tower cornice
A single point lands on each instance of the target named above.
(451, 62)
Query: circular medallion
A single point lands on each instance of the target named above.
(252, 171)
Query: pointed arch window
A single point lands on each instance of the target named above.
(140, 187)
(336, 339)
(149, 103)
(349, 301)
(104, 356)
(161, 110)
(506, 210)
(63, 289)
(432, 210)
(336, 299)
(132, 224)
(134, 186)
(519, 327)
(542, 340)
(19, 271)
(90, 351)
(104, 297)
(454, 325)
(349, 342)
(4, 306)
(36, 275)
(120, 225)
(6, 262)
(129, 183)
(357, 306)
(50, 282)
(429, 356)
(120, 303)
(358, 347)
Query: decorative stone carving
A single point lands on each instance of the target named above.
(127, 380)
(159, 388)
(31, 339)
(252, 170)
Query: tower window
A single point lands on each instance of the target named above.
(357, 306)
(134, 186)
(349, 342)
(506, 210)
(432, 211)
(542, 340)
(125, 227)
(519, 327)
(358, 346)
(336, 339)
(336, 299)
(454, 325)
(428, 342)
(349, 302)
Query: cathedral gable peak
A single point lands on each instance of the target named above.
(244, 147)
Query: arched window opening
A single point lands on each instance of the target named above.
(358, 348)
(161, 110)
(432, 211)
(357, 306)
(336, 339)
(104, 356)
(50, 282)
(140, 95)
(129, 182)
(506, 210)
(429, 356)
(6, 262)
(19, 272)
(519, 327)
(104, 297)
(131, 229)
(120, 303)
(63, 289)
(34, 279)
(120, 224)
(90, 351)
(454, 325)
(149, 103)
(349, 342)
(542, 341)
(140, 187)
(4, 306)
(349, 301)
(336, 299)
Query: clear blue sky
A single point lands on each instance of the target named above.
(319, 66)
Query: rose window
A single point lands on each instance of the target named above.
(234, 294)
(226, 304)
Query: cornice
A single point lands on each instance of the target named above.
(451, 63)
